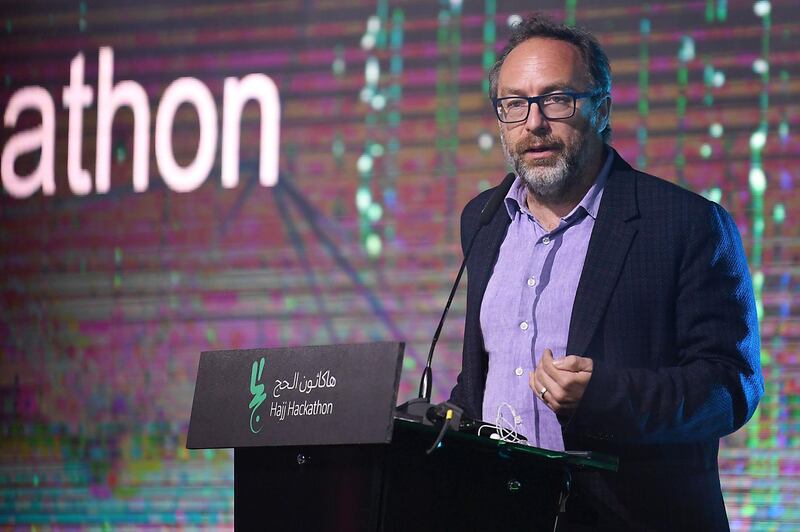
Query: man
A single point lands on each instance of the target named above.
(611, 310)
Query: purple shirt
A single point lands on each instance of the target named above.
(528, 304)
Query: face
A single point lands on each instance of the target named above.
(552, 156)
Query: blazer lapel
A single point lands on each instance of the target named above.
(608, 246)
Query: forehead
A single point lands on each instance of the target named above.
(540, 65)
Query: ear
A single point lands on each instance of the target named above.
(602, 113)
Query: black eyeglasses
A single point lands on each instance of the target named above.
(553, 106)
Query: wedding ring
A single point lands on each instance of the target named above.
(541, 393)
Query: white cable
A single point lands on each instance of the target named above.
(506, 430)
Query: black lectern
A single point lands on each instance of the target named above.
(314, 452)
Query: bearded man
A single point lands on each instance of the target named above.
(607, 309)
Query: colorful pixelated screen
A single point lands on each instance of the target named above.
(188, 176)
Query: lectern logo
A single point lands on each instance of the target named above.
(259, 396)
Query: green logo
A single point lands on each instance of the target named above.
(259, 396)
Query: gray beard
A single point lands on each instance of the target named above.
(551, 183)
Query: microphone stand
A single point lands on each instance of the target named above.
(416, 409)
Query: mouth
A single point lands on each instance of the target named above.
(540, 152)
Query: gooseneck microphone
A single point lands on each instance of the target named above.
(420, 405)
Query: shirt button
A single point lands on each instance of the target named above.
(517, 420)
(531, 281)
(524, 325)
(519, 372)
(546, 240)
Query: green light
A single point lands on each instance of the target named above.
(363, 198)
(364, 163)
(373, 245)
(716, 130)
(758, 180)
(705, 150)
(760, 66)
(569, 18)
(783, 130)
(686, 51)
(708, 74)
(758, 280)
(374, 212)
(722, 10)
(779, 213)
(376, 150)
(489, 32)
(762, 8)
(378, 102)
(488, 59)
(758, 140)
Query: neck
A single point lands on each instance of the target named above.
(549, 210)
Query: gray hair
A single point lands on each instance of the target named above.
(594, 57)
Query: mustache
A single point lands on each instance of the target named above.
(530, 143)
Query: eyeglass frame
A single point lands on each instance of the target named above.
(538, 99)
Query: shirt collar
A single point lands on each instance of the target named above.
(515, 200)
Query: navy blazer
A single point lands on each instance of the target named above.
(665, 309)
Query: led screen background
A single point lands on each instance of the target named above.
(385, 133)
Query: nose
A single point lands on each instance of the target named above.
(536, 120)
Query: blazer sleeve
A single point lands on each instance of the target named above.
(716, 384)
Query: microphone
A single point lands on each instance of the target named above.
(419, 406)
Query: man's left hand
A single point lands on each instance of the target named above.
(565, 381)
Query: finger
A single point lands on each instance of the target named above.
(546, 365)
(563, 394)
(574, 363)
(541, 380)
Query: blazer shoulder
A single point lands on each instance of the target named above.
(656, 194)
(474, 206)
(471, 215)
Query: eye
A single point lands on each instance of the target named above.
(557, 99)
(516, 103)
